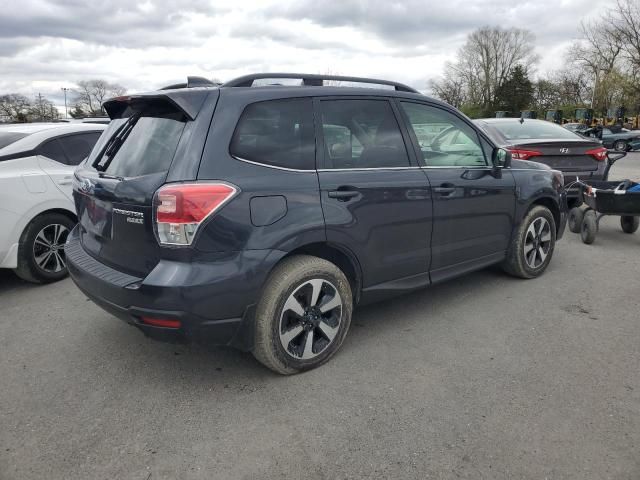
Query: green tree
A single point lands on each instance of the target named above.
(516, 93)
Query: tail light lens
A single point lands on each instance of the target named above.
(181, 208)
(600, 153)
(520, 154)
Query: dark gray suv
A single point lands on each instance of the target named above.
(259, 217)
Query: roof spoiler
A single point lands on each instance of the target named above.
(188, 102)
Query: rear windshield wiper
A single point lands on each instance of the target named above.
(113, 177)
(113, 145)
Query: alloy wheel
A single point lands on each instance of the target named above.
(537, 242)
(310, 319)
(48, 248)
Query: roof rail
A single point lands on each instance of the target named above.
(314, 80)
(192, 82)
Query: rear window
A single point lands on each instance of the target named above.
(7, 138)
(77, 147)
(276, 132)
(532, 130)
(143, 142)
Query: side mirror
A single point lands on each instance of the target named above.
(501, 158)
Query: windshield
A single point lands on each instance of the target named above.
(7, 138)
(141, 143)
(532, 130)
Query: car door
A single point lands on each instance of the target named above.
(59, 156)
(473, 203)
(375, 198)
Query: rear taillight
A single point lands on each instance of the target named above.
(182, 207)
(599, 153)
(520, 154)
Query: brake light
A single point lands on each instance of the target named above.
(520, 154)
(182, 207)
(599, 153)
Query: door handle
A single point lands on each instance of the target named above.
(343, 195)
(444, 190)
(65, 181)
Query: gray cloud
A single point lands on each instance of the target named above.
(415, 23)
(117, 22)
(143, 44)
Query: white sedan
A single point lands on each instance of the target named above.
(36, 204)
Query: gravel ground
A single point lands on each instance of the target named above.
(484, 377)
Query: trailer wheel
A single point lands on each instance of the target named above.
(629, 224)
(589, 227)
(576, 214)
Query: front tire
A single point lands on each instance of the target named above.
(41, 257)
(303, 315)
(532, 247)
(620, 146)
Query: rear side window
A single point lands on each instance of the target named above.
(361, 134)
(278, 133)
(142, 142)
(77, 147)
(53, 150)
(7, 138)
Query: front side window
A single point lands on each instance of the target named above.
(361, 134)
(278, 133)
(444, 139)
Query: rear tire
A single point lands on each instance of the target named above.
(303, 315)
(575, 219)
(629, 224)
(589, 227)
(620, 146)
(532, 247)
(41, 257)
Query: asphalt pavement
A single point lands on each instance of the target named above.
(484, 377)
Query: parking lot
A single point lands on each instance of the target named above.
(484, 377)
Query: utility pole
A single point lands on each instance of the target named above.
(595, 85)
(40, 108)
(66, 113)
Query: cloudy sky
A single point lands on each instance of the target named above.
(142, 45)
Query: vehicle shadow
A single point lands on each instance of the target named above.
(191, 365)
(10, 282)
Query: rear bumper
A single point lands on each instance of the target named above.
(213, 301)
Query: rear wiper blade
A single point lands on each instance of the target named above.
(114, 144)
(113, 177)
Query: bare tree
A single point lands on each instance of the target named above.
(599, 49)
(450, 88)
(15, 107)
(43, 110)
(90, 94)
(484, 63)
(624, 21)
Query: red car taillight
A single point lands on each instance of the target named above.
(599, 153)
(180, 209)
(520, 154)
